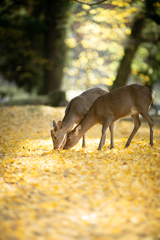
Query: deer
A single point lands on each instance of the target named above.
(75, 111)
(130, 100)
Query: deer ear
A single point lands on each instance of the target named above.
(59, 125)
(54, 124)
(52, 132)
(77, 129)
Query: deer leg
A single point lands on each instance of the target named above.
(83, 142)
(151, 125)
(111, 128)
(137, 125)
(103, 136)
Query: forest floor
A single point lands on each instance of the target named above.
(80, 194)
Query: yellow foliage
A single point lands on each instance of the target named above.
(128, 31)
(146, 78)
(81, 14)
(107, 81)
(80, 193)
(93, 11)
(71, 42)
(86, 7)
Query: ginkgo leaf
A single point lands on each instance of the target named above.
(80, 193)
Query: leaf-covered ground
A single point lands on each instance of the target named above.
(81, 194)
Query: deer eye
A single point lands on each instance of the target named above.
(55, 138)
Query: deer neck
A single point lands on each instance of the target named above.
(67, 124)
(87, 122)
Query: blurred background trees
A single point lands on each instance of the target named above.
(118, 41)
(50, 45)
(32, 49)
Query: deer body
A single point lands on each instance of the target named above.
(75, 111)
(130, 100)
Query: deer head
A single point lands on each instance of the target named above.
(57, 134)
(73, 138)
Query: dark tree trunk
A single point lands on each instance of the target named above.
(130, 50)
(151, 10)
(54, 47)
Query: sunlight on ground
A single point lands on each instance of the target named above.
(81, 194)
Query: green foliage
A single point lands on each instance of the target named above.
(23, 27)
(147, 61)
(100, 35)
(98, 40)
(21, 38)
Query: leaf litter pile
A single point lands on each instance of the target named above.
(81, 194)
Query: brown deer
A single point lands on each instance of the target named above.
(130, 100)
(75, 111)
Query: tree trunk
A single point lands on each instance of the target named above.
(54, 46)
(130, 50)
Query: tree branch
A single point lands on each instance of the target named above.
(91, 4)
